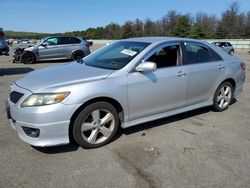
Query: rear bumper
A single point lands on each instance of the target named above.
(4, 50)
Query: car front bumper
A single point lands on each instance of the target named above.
(51, 121)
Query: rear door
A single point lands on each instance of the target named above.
(205, 70)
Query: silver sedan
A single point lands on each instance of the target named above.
(121, 85)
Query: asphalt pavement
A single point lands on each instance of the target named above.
(200, 148)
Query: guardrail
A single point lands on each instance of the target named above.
(237, 43)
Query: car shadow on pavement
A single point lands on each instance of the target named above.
(14, 71)
(164, 121)
(57, 149)
(132, 130)
(54, 61)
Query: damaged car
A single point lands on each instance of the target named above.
(53, 48)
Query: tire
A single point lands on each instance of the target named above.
(231, 52)
(77, 55)
(223, 97)
(96, 125)
(27, 58)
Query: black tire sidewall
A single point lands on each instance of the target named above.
(215, 103)
(25, 55)
(83, 115)
(75, 54)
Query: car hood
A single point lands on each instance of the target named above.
(61, 76)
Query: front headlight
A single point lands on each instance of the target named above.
(41, 99)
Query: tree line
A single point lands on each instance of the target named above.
(232, 24)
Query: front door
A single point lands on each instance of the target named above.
(50, 49)
(150, 93)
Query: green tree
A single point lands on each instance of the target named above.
(182, 27)
(149, 28)
(112, 31)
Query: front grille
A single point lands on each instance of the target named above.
(15, 96)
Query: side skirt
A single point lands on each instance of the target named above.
(166, 114)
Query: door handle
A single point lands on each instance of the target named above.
(221, 66)
(181, 74)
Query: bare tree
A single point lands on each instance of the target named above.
(138, 28)
(230, 24)
(128, 29)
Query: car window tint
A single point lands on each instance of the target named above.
(195, 53)
(52, 41)
(63, 40)
(74, 40)
(214, 56)
(165, 57)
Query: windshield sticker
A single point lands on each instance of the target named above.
(128, 52)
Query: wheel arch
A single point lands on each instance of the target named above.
(31, 52)
(231, 81)
(110, 100)
(77, 50)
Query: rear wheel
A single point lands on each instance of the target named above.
(77, 55)
(223, 96)
(27, 58)
(96, 125)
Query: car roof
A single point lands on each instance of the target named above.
(160, 39)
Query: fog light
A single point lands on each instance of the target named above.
(34, 133)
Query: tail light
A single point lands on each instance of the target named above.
(89, 43)
(243, 66)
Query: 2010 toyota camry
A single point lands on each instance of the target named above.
(126, 83)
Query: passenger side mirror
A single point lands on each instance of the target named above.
(146, 66)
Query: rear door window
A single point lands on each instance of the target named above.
(63, 40)
(74, 40)
(195, 53)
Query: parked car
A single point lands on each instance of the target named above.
(126, 83)
(4, 48)
(226, 46)
(25, 41)
(55, 48)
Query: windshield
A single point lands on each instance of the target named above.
(116, 55)
(41, 41)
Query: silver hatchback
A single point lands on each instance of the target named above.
(121, 85)
(55, 48)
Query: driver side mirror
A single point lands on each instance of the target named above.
(146, 67)
(44, 44)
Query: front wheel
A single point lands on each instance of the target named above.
(96, 125)
(27, 58)
(223, 96)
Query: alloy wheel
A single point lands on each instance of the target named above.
(224, 97)
(98, 126)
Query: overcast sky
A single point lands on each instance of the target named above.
(65, 15)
